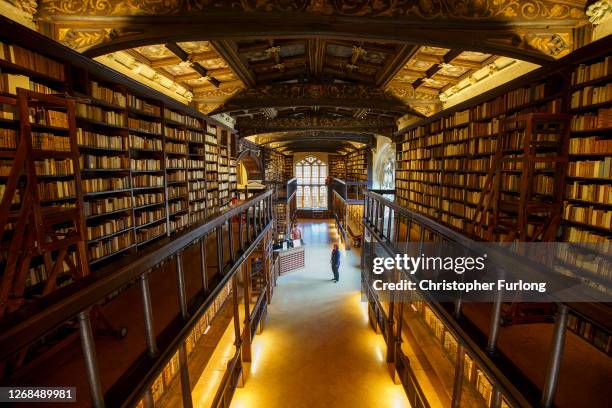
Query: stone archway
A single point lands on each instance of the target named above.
(384, 165)
(252, 162)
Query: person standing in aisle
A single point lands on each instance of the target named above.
(296, 234)
(335, 263)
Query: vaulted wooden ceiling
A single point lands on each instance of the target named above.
(335, 67)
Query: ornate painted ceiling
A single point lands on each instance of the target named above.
(340, 69)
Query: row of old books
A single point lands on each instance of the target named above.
(88, 161)
(589, 215)
(357, 165)
(142, 105)
(48, 117)
(31, 60)
(474, 376)
(10, 82)
(186, 120)
(591, 95)
(590, 145)
(96, 185)
(107, 94)
(145, 126)
(98, 114)
(87, 138)
(599, 119)
(590, 72)
(596, 169)
(108, 227)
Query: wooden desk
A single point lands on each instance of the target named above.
(291, 259)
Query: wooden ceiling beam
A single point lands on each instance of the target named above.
(315, 149)
(223, 85)
(195, 75)
(501, 35)
(446, 78)
(298, 59)
(142, 59)
(292, 111)
(307, 121)
(290, 42)
(307, 136)
(196, 56)
(368, 46)
(429, 90)
(411, 72)
(338, 112)
(286, 74)
(315, 51)
(227, 49)
(344, 61)
(467, 64)
(253, 47)
(346, 74)
(184, 56)
(451, 55)
(395, 64)
(436, 59)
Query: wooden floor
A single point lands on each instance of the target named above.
(318, 349)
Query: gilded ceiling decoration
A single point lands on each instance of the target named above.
(372, 124)
(424, 9)
(275, 78)
(434, 69)
(312, 135)
(330, 95)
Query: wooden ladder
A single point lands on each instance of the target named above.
(538, 143)
(45, 229)
(528, 145)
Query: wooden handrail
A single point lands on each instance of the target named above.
(23, 327)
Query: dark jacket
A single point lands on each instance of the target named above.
(335, 258)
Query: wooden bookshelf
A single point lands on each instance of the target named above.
(443, 161)
(281, 218)
(183, 160)
(149, 163)
(357, 165)
(277, 165)
(209, 189)
(287, 167)
(587, 215)
(337, 166)
(224, 143)
(233, 174)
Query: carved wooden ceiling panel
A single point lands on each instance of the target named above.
(434, 69)
(194, 65)
(370, 61)
(311, 60)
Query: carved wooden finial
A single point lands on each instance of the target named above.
(599, 11)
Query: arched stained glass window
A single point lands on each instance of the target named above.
(312, 191)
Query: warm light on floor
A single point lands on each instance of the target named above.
(256, 352)
(206, 386)
(364, 310)
(318, 349)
